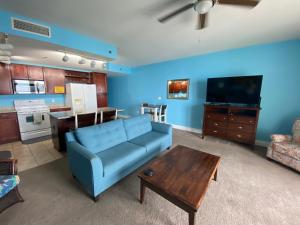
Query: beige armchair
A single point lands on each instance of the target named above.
(286, 148)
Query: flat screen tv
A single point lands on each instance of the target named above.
(234, 90)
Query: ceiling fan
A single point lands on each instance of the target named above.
(202, 7)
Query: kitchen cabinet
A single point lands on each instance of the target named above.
(102, 100)
(100, 80)
(35, 73)
(5, 80)
(18, 72)
(54, 80)
(77, 77)
(10, 132)
(101, 87)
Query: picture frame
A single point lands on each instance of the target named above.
(178, 89)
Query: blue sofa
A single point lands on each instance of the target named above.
(101, 155)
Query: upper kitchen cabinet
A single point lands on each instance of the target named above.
(54, 80)
(35, 73)
(5, 80)
(18, 72)
(77, 77)
(100, 80)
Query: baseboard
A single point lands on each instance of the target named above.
(179, 127)
(199, 131)
(261, 143)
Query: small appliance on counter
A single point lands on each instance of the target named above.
(82, 98)
(34, 119)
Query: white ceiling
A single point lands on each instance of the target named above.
(133, 27)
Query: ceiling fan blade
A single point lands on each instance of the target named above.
(176, 12)
(249, 3)
(202, 21)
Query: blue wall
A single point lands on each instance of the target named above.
(8, 100)
(278, 62)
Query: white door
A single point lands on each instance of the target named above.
(90, 98)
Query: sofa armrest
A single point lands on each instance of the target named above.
(281, 138)
(85, 166)
(161, 127)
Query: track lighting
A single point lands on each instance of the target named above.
(82, 61)
(93, 64)
(65, 58)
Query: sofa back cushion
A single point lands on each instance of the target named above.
(100, 137)
(137, 126)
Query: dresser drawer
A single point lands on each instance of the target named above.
(242, 119)
(241, 127)
(243, 137)
(216, 124)
(217, 116)
(219, 132)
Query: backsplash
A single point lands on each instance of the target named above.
(55, 99)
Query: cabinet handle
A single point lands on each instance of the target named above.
(240, 127)
(216, 124)
(208, 116)
(224, 118)
(232, 119)
(215, 131)
(239, 136)
(251, 121)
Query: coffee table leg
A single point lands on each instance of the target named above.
(142, 192)
(192, 218)
(216, 175)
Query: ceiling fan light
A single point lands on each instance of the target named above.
(5, 53)
(203, 6)
(6, 46)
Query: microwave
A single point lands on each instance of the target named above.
(29, 87)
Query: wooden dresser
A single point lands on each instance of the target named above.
(234, 123)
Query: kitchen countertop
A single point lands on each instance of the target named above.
(7, 110)
(68, 114)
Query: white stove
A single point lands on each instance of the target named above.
(33, 117)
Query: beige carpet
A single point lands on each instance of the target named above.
(250, 190)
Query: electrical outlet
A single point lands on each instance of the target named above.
(52, 100)
(159, 98)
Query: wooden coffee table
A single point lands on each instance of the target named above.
(181, 176)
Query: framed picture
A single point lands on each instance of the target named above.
(178, 89)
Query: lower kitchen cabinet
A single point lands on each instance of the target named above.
(102, 100)
(9, 128)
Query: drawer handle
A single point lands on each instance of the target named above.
(240, 127)
(232, 119)
(216, 124)
(224, 118)
(239, 136)
(215, 131)
(251, 121)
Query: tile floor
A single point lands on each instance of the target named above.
(32, 155)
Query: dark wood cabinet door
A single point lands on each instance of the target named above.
(9, 133)
(53, 78)
(35, 73)
(5, 80)
(102, 100)
(18, 71)
(100, 80)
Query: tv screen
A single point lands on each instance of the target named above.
(240, 90)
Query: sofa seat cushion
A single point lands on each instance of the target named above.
(153, 141)
(120, 157)
(137, 126)
(287, 148)
(101, 137)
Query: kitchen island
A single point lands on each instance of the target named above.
(64, 121)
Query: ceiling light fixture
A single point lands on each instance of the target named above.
(203, 6)
(65, 58)
(82, 61)
(93, 64)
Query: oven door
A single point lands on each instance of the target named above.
(28, 87)
(28, 123)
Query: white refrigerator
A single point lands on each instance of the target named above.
(82, 98)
